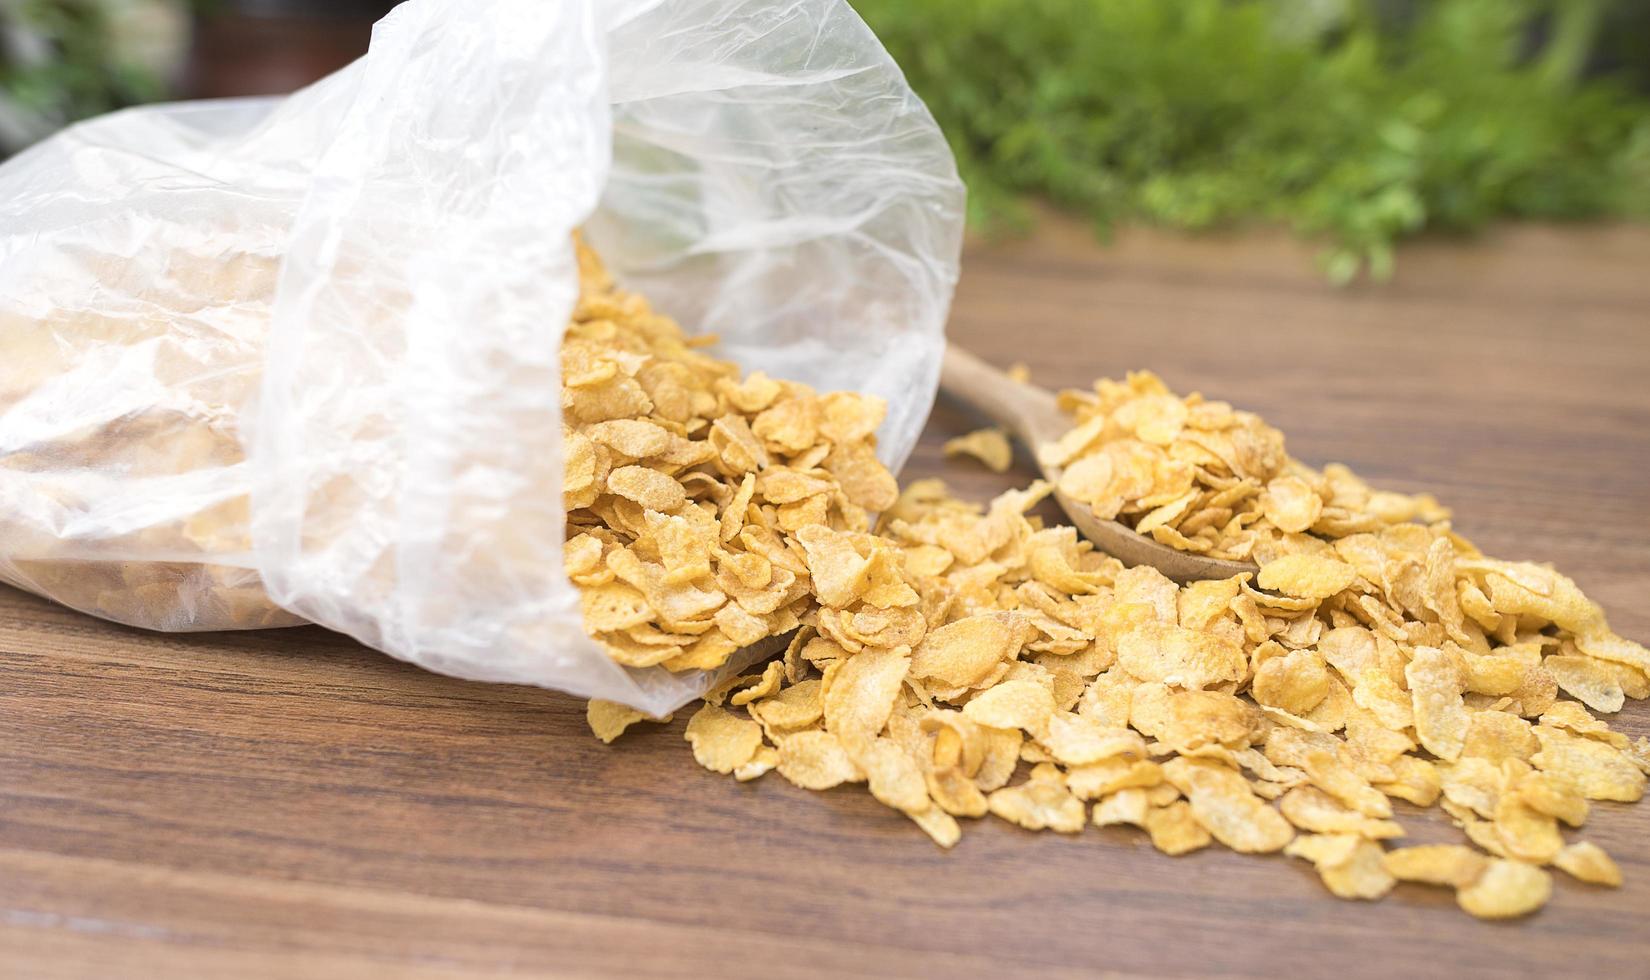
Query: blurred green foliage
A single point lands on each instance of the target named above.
(1351, 120)
(71, 67)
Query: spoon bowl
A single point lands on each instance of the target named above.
(1031, 415)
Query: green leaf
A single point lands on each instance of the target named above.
(1338, 118)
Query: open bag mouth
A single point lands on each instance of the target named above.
(298, 359)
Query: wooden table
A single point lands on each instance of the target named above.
(288, 803)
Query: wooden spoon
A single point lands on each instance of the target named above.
(1029, 413)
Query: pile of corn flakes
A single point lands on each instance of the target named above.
(689, 490)
(1201, 477)
(961, 661)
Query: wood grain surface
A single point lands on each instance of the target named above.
(287, 803)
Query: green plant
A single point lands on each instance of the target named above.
(1349, 120)
(63, 60)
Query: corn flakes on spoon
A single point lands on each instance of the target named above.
(1031, 415)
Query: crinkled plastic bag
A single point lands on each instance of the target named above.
(280, 360)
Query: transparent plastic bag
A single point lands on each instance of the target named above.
(280, 360)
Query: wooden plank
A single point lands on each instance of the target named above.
(287, 803)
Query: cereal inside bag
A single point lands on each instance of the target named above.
(698, 500)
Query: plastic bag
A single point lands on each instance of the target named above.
(271, 361)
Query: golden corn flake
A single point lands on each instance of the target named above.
(648, 487)
(893, 776)
(1573, 718)
(765, 759)
(1586, 861)
(1223, 803)
(615, 606)
(953, 791)
(794, 707)
(814, 759)
(1450, 865)
(1042, 801)
(1474, 783)
(1313, 810)
(722, 741)
(764, 687)
(1126, 806)
(1605, 645)
(1505, 890)
(1097, 779)
(1525, 832)
(1306, 576)
(939, 825)
(1590, 681)
(1497, 736)
(963, 653)
(1025, 705)
(1324, 849)
(1556, 796)
(1074, 740)
(1296, 682)
(1350, 866)
(1363, 876)
(1291, 504)
(989, 446)
(609, 719)
(1180, 657)
(1174, 830)
(1000, 758)
(1436, 686)
(860, 696)
(1598, 770)
(1198, 718)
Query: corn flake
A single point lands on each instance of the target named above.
(1507, 889)
(1306, 576)
(1350, 866)
(989, 446)
(1436, 686)
(962, 654)
(1180, 657)
(609, 719)
(1126, 806)
(814, 759)
(722, 741)
(1042, 801)
(1599, 771)
(1449, 865)
(1590, 681)
(1024, 705)
(1174, 830)
(1586, 861)
(1223, 803)
(1313, 810)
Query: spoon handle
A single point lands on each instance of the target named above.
(1032, 415)
(1024, 410)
